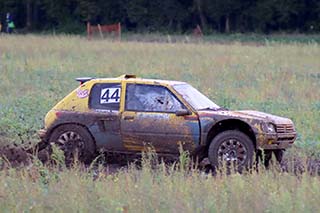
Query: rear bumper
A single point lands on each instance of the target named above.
(276, 140)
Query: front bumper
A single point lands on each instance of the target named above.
(276, 140)
(42, 134)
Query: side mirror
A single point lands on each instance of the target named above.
(182, 112)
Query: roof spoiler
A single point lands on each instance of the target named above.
(126, 76)
(83, 79)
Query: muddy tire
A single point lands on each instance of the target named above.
(75, 141)
(232, 149)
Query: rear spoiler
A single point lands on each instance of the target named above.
(83, 79)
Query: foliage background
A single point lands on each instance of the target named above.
(179, 16)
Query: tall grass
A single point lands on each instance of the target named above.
(154, 188)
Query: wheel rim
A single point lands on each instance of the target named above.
(232, 151)
(68, 136)
(70, 139)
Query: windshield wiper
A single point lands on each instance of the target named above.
(208, 108)
(214, 109)
(222, 109)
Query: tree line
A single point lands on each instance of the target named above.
(180, 16)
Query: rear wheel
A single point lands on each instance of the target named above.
(76, 143)
(232, 149)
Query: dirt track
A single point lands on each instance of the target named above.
(15, 156)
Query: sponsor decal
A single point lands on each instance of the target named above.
(82, 93)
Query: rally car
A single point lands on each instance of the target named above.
(129, 114)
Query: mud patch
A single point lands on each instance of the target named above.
(298, 165)
(14, 156)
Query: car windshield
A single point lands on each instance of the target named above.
(195, 98)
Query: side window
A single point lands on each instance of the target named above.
(105, 96)
(150, 98)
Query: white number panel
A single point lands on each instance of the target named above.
(110, 95)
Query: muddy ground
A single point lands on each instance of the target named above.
(18, 157)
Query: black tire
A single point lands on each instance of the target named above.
(74, 140)
(231, 148)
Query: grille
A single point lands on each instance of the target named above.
(285, 128)
(286, 133)
(289, 138)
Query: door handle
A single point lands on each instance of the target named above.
(109, 119)
(128, 117)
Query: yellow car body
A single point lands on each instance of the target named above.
(102, 107)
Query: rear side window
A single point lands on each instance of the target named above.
(105, 96)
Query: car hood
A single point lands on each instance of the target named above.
(245, 114)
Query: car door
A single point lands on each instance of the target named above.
(149, 120)
(104, 103)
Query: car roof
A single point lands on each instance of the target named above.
(155, 81)
(134, 79)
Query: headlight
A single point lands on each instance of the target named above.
(269, 127)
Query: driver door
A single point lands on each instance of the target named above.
(149, 120)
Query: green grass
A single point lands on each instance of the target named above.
(154, 188)
(282, 78)
(248, 39)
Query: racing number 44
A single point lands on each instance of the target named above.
(110, 95)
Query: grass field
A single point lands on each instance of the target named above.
(161, 189)
(279, 78)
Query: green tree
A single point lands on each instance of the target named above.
(274, 15)
(226, 13)
(166, 15)
(157, 14)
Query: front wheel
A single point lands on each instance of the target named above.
(231, 148)
(75, 141)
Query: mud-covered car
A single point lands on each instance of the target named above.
(128, 114)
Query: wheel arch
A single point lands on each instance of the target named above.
(231, 124)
